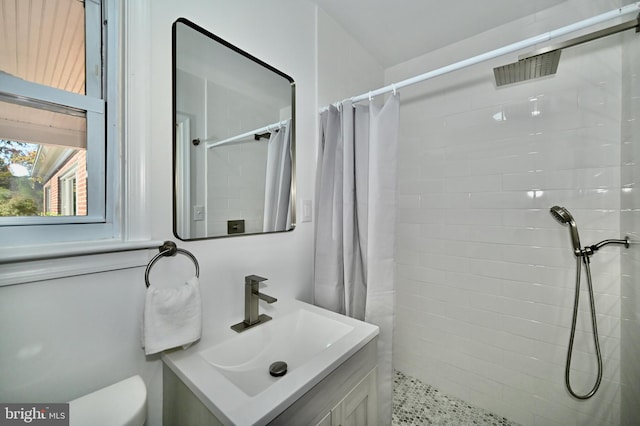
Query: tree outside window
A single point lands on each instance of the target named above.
(20, 193)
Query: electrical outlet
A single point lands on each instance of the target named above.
(235, 226)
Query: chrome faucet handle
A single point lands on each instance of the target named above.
(251, 279)
(254, 281)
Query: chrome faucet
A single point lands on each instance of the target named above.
(251, 297)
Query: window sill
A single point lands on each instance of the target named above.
(45, 262)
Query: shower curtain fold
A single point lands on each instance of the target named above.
(355, 223)
(277, 194)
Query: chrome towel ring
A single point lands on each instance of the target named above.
(169, 248)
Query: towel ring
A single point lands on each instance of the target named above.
(169, 248)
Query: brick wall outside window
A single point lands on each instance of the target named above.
(79, 162)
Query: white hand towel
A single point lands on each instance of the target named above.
(172, 317)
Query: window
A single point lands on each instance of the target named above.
(57, 143)
(114, 112)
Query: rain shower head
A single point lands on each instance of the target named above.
(544, 62)
(528, 68)
(563, 216)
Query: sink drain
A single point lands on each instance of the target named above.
(278, 369)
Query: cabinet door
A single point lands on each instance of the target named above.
(326, 420)
(359, 407)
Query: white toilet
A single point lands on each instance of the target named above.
(121, 404)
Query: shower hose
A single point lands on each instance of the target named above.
(594, 323)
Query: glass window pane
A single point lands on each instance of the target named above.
(29, 189)
(43, 41)
(42, 162)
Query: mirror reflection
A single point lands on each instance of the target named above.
(234, 139)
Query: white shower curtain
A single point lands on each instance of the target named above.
(355, 223)
(277, 191)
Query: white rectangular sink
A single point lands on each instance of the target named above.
(293, 338)
(231, 374)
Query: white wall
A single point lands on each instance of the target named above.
(345, 68)
(192, 106)
(63, 338)
(485, 274)
(630, 225)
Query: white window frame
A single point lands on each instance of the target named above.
(98, 55)
(46, 192)
(27, 256)
(67, 192)
(183, 176)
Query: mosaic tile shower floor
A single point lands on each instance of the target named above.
(416, 403)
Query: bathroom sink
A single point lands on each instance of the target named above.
(293, 338)
(229, 372)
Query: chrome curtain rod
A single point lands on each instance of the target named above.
(529, 42)
(268, 128)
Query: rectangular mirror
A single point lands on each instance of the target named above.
(233, 141)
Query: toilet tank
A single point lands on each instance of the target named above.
(121, 404)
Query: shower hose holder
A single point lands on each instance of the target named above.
(590, 250)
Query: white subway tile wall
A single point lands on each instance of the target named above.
(235, 186)
(235, 172)
(630, 225)
(485, 275)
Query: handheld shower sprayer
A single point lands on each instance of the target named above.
(563, 216)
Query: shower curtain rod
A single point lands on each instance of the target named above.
(529, 42)
(268, 128)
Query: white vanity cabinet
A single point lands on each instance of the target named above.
(358, 408)
(347, 396)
